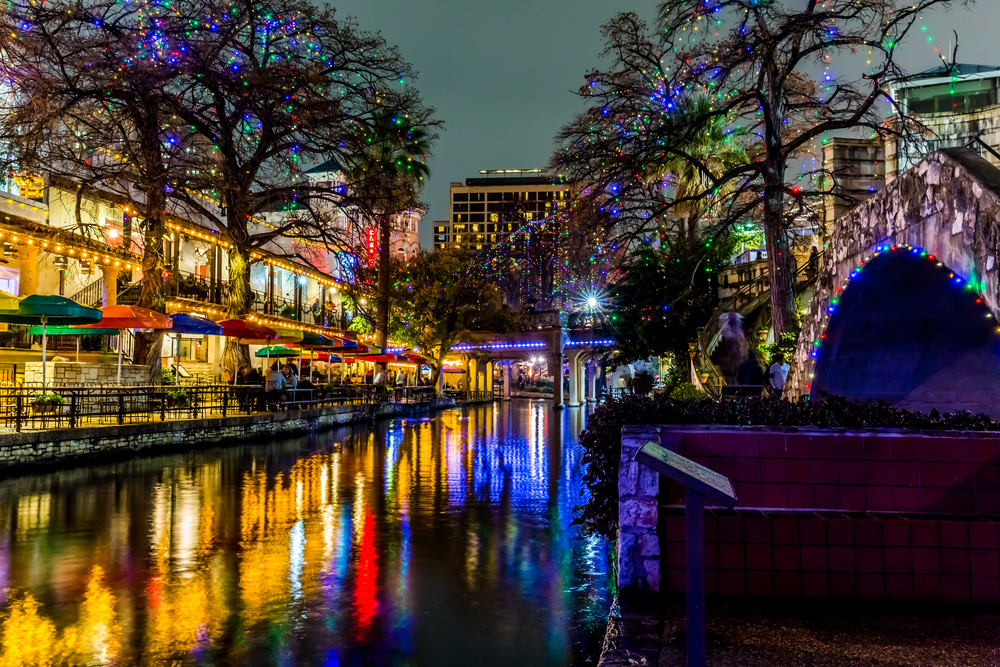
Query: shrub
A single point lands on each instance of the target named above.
(166, 375)
(50, 398)
(602, 437)
(177, 395)
(687, 392)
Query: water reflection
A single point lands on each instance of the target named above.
(417, 542)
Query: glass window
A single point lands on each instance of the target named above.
(460, 196)
(477, 217)
(477, 196)
(532, 196)
(494, 217)
(509, 196)
(461, 208)
(494, 196)
(477, 207)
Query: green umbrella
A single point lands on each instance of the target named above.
(49, 309)
(276, 351)
(72, 331)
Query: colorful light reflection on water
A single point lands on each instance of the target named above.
(442, 541)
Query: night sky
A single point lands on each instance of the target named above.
(502, 74)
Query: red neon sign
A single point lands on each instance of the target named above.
(371, 236)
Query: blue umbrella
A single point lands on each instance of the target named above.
(189, 323)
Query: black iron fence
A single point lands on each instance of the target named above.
(29, 408)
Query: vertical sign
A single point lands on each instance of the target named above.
(371, 236)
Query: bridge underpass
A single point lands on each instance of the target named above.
(580, 349)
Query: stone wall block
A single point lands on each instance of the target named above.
(649, 545)
(649, 481)
(628, 475)
(637, 512)
(626, 558)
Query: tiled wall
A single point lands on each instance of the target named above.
(873, 515)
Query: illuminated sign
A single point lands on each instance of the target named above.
(371, 236)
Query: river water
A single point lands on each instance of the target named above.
(437, 541)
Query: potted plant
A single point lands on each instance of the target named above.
(703, 374)
(47, 402)
(177, 398)
(166, 375)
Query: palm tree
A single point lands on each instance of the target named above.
(385, 177)
(715, 146)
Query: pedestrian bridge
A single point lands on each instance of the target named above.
(579, 348)
(905, 306)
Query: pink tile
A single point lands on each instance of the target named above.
(843, 585)
(871, 586)
(955, 534)
(852, 472)
(850, 448)
(695, 444)
(824, 447)
(926, 560)
(841, 559)
(840, 531)
(987, 476)
(825, 471)
(815, 585)
(720, 444)
(758, 556)
(896, 533)
(746, 444)
(983, 535)
(955, 562)
(730, 529)
(955, 473)
(732, 582)
(877, 448)
(673, 555)
(904, 473)
(898, 560)
(814, 558)
(774, 495)
(960, 501)
(987, 502)
(787, 584)
(759, 583)
(786, 558)
(879, 498)
(786, 530)
(772, 445)
(926, 533)
(903, 448)
(800, 496)
(711, 583)
(812, 531)
(675, 580)
(903, 500)
(927, 587)
(731, 556)
(956, 589)
(956, 450)
(826, 496)
(868, 532)
(870, 559)
(899, 586)
(724, 465)
(932, 449)
(674, 528)
(853, 498)
(932, 499)
(747, 469)
(982, 450)
(773, 470)
(878, 473)
(800, 471)
(986, 589)
(758, 529)
(749, 494)
(798, 446)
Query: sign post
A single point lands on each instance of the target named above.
(699, 482)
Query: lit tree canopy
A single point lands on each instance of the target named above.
(755, 62)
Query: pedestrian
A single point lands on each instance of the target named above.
(380, 378)
(778, 373)
(750, 373)
(317, 311)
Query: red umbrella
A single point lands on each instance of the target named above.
(414, 357)
(386, 358)
(250, 333)
(128, 317)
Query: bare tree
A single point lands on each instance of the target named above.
(756, 62)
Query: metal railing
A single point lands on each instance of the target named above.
(25, 408)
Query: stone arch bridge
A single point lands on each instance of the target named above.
(906, 303)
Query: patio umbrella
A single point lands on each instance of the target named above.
(386, 358)
(276, 351)
(128, 317)
(250, 333)
(191, 324)
(45, 310)
(314, 341)
(452, 369)
(72, 331)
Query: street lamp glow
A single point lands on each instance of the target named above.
(592, 302)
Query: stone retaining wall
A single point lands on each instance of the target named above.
(72, 374)
(41, 447)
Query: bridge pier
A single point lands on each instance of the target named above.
(506, 379)
(575, 368)
(556, 363)
(592, 372)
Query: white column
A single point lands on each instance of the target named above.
(506, 379)
(592, 373)
(574, 380)
(555, 366)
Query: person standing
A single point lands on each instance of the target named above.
(778, 373)
(317, 311)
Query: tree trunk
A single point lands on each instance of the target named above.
(780, 262)
(149, 344)
(384, 285)
(238, 307)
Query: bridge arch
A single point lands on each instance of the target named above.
(905, 328)
(948, 206)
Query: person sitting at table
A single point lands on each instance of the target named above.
(291, 378)
(253, 377)
(275, 380)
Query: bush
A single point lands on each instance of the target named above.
(166, 375)
(602, 437)
(687, 392)
(50, 398)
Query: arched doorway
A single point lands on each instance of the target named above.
(906, 329)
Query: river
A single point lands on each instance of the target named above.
(444, 540)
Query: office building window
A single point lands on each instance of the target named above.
(477, 217)
(460, 196)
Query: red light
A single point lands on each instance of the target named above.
(979, 300)
(892, 248)
(930, 256)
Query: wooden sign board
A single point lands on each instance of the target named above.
(689, 474)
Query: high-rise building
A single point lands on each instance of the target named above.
(484, 209)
